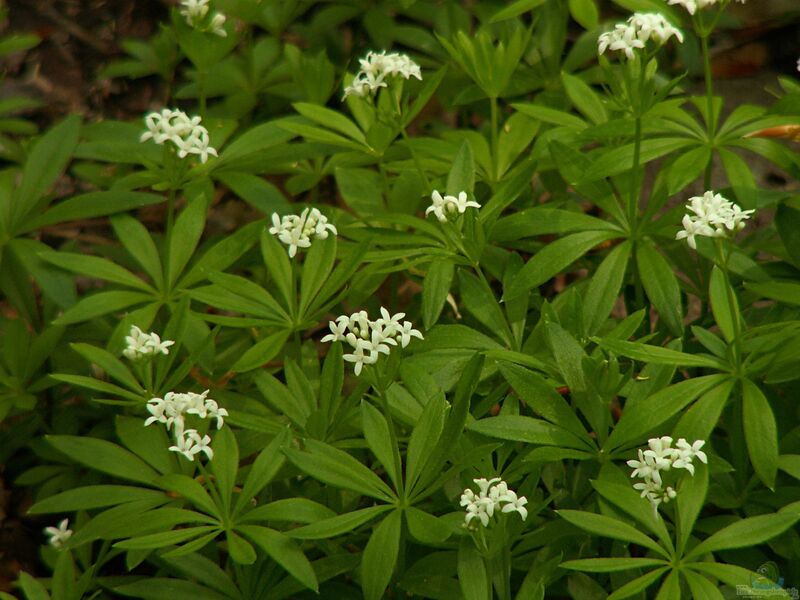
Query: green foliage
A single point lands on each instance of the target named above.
(247, 363)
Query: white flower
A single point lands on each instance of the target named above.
(714, 216)
(441, 207)
(369, 339)
(662, 457)
(491, 499)
(297, 231)
(692, 5)
(195, 13)
(140, 344)
(58, 535)
(191, 443)
(636, 32)
(171, 410)
(375, 68)
(187, 134)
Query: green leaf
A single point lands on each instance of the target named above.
(110, 364)
(551, 115)
(264, 468)
(162, 588)
(379, 439)
(223, 254)
(701, 588)
(543, 399)
(782, 291)
(92, 496)
(95, 267)
(240, 550)
(316, 271)
(746, 533)
(472, 575)
(100, 304)
(338, 525)
(284, 551)
(760, 432)
(462, 172)
(435, 288)
(90, 205)
(33, 588)
(515, 9)
(424, 438)
(46, 161)
(658, 355)
(787, 222)
(185, 235)
(360, 189)
(542, 220)
(276, 259)
(137, 241)
(699, 421)
(335, 467)
(103, 456)
(290, 510)
(332, 119)
(148, 443)
(526, 429)
(380, 556)
(585, 99)
(630, 502)
(691, 498)
(604, 288)
(190, 490)
(554, 258)
(261, 353)
(610, 565)
(585, 13)
(723, 303)
(637, 585)
(427, 528)
(620, 160)
(164, 538)
(647, 415)
(661, 285)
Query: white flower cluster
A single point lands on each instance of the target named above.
(175, 126)
(195, 13)
(370, 338)
(660, 457)
(714, 216)
(636, 32)
(171, 410)
(444, 206)
(58, 535)
(497, 498)
(141, 344)
(296, 231)
(376, 67)
(693, 5)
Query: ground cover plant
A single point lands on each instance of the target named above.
(505, 312)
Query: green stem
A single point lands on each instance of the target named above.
(722, 262)
(416, 160)
(495, 137)
(710, 121)
(633, 199)
(201, 92)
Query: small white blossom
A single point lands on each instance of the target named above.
(369, 339)
(692, 5)
(171, 411)
(58, 535)
(187, 134)
(443, 206)
(195, 12)
(660, 457)
(636, 32)
(376, 67)
(190, 443)
(297, 231)
(714, 216)
(140, 344)
(490, 499)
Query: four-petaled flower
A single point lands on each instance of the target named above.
(58, 535)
